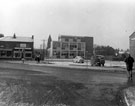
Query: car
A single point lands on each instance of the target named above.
(97, 60)
(78, 59)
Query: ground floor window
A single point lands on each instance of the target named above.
(56, 53)
(81, 53)
(17, 55)
(73, 53)
(65, 54)
(5, 53)
(9, 53)
(28, 54)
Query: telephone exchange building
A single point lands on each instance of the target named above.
(69, 46)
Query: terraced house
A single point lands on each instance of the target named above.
(13, 47)
(70, 46)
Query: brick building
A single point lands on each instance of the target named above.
(132, 45)
(71, 46)
(13, 47)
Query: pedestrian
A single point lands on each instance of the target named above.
(38, 58)
(129, 64)
(22, 57)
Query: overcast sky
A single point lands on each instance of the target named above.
(110, 22)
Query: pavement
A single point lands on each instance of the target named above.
(129, 96)
(110, 66)
(129, 93)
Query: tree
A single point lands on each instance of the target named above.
(14, 36)
(105, 50)
(1, 35)
(49, 42)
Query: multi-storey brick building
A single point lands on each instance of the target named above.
(71, 46)
(132, 45)
(14, 47)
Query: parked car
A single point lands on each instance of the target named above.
(78, 59)
(97, 60)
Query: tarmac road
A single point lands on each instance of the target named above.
(27, 85)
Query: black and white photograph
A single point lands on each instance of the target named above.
(67, 53)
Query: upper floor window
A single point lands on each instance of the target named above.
(73, 46)
(66, 39)
(23, 45)
(64, 45)
(79, 46)
(56, 45)
(74, 40)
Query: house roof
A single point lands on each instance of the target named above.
(132, 35)
(61, 36)
(17, 39)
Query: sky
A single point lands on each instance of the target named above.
(109, 22)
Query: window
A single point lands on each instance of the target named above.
(65, 53)
(66, 39)
(79, 40)
(64, 46)
(17, 55)
(73, 46)
(74, 40)
(83, 46)
(73, 53)
(81, 53)
(9, 53)
(28, 55)
(3, 53)
(23, 45)
(56, 53)
(28, 45)
(17, 45)
(56, 45)
(79, 46)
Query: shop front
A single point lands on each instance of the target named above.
(5, 53)
(22, 52)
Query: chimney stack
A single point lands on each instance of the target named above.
(32, 36)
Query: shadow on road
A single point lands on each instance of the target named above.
(131, 82)
(35, 90)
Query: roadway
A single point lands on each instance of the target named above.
(25, 84)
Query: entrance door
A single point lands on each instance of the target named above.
(17, 54)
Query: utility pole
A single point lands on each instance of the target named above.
(87, 59)
(43, 48)
(40, 48)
